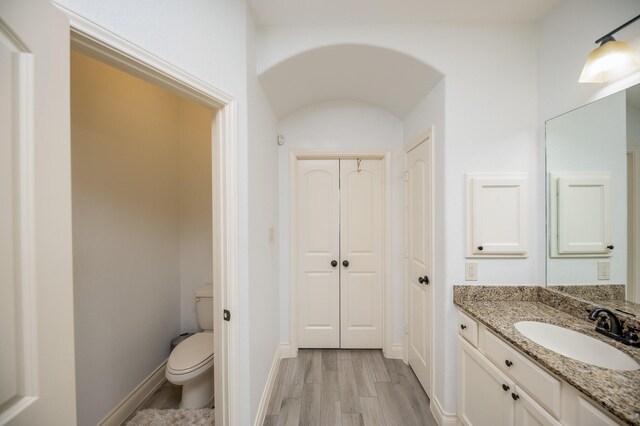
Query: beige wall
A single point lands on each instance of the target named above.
(133, 147)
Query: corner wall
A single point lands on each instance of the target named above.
(263, 230)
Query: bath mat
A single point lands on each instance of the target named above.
(154, 417)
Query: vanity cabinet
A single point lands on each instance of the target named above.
(486, 396)
(498, 385)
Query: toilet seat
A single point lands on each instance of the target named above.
(190, 358)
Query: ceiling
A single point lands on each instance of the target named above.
(370, 12)
(382, 77)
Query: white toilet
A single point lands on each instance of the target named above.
(191, 362)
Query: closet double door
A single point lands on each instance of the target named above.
(339, 270)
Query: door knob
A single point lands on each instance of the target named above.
(334, 263)
(423, 280)
(345, 263)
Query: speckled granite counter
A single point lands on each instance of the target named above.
(499, 308)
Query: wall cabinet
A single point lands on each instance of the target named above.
(580, 211)
(496, 215)
(498, 385)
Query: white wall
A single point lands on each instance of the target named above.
(490, 106)
(263, 216)
(125, 232)
(195, 232)
(346, 127)
(593, 139)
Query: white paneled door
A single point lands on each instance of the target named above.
(339, 262)
(37, 374)
(418, 216)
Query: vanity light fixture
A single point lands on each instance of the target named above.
(611, 59)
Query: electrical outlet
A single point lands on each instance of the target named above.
(604, 271)
(471, 271)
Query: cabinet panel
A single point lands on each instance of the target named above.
(540, 384)
(588, 415)
(468, 328)
(484, 396)
(580, 214)
(529, 413)
(496, 215)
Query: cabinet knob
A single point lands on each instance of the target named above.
(610, 247)
(462, 326)
(505, 387)
(515, 396)
(480, 248)
(345, 263)
(508, 363)
(334, 263)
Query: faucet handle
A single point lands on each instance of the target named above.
(603, 323)
(631, 333)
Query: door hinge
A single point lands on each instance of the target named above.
(226, 315)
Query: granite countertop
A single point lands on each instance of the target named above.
(617, 392)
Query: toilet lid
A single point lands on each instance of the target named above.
(191, 353)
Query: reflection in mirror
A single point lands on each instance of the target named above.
(593, 201)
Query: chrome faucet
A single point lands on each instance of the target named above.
(610, 326)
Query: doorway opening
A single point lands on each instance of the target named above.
(349, 292)
(109, 49)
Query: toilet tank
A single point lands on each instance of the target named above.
(204, 306)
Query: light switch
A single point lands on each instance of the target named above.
(471, 271)
(604, 272)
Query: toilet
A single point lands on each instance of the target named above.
(191, 362)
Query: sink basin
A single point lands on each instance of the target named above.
(576, 345)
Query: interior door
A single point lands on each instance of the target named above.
(37, 371)
(361, 238)
(418, 216)
(318, 274)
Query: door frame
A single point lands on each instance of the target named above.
(97, 42)
(385, 157)
(428, 136)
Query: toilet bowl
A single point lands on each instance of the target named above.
(190, 364)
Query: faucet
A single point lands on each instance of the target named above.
(614, 327)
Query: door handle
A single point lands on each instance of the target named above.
(334, 263)
(423, 280)
(345, 263)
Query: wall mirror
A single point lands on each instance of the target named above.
(593, 201)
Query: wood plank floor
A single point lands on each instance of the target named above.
(347, 387)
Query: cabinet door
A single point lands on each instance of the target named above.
(497, 215)
(588, 415)
(584, 214)
(484, 393)
(529, 413)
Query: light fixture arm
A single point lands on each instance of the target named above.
(609, 36)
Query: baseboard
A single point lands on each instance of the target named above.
(442, 418)
(397, 352)
(136, 398)
(268, 387)
(286, 351)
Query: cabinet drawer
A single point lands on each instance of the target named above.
(468, 328)
(543, 387)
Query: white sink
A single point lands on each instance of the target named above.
(576, 345)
